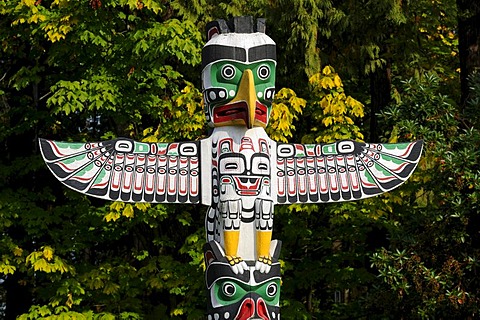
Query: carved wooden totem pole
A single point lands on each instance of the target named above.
(239, 172)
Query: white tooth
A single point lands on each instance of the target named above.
(258, 265)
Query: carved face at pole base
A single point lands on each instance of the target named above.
(251, 295)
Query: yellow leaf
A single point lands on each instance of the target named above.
(48, 253)
(37, 17)
(147, 131)
(18, 21)
(69, 301)
(339, 108)
(327, 121)
(6, 268)
(128, 211)
(117, 206)
(297, 104)
(65, 19)
(327, 83)
(41, 265)
(29, 3)
(358, 110)
(177, 312)
(315, 78)
(327, 70)
(337, 81)
(112, 216)
(142, 206)
(17, 251)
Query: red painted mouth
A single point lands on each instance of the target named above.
(231, 112)
(261, 113)
(237, 113)
(247, 186)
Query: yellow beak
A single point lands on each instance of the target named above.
(246, 92)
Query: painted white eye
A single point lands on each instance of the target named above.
(271, 290)
(263, 72)
(231, 165)
(260, 165)
(229, 289)
(228, 72)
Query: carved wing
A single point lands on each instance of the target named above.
(342, 171)
(127, 170)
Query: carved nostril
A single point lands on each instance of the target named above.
(262, 310)
(247, 310)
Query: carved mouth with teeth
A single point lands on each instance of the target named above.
(247, 186)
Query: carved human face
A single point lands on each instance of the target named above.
(244, 170)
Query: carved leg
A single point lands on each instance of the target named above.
(264, 227)
(231, 234)
(264, 260)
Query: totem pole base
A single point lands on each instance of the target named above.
(241, 296)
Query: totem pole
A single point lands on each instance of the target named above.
(238, 171)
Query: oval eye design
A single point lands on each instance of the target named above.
(263, 72)
(272, 290)
(262, 166)
(231, 166)
(229, 289)
(228, 72)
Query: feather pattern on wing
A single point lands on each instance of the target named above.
(342, 171)
(126, 170)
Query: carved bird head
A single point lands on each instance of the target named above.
(238, 74)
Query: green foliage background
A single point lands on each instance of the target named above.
(96, 69)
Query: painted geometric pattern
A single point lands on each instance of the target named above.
(342, 171)
(126, 170)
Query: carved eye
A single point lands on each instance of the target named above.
(262, 166)
(263, 72)
(272, 290)
(229, 289)
(228, 72)
(231, 166)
